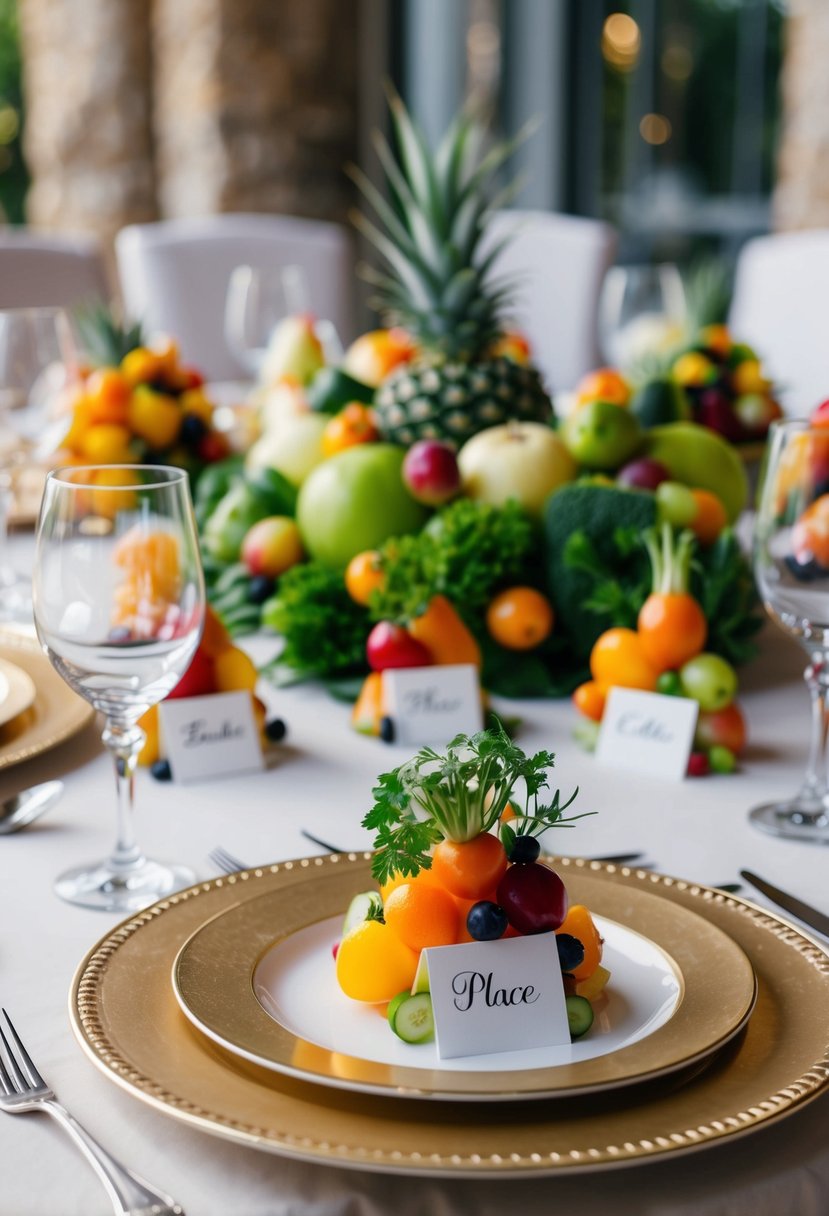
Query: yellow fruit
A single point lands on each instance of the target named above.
(694, 370)
(593, 986)
(141, 366)
(373, 964)
(106, 443)
(151, 751)
(108, 502)
(193, 401)
(154, 416)
(748, 377)
(234, 671)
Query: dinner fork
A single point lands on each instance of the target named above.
(23, 1089)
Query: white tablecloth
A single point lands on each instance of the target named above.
(321, 779)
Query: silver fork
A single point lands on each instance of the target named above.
(226, 862)
(23, 1089)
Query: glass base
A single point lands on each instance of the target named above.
(104, 887)
(793, 821)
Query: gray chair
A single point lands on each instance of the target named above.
(174, 276)
(43, 270)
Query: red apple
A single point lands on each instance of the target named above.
(430, 470)
(643, 474)
(272, 546)
(390, 645)
(721, 728)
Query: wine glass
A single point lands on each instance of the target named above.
(642, 312)
(119, 609)
(791, 565)
(37, 360)
(257, 300)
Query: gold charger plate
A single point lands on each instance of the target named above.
(17, 693)
(55, 714)
(126, 1018)
(213, 978)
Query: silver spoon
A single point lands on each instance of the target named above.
(21, 810)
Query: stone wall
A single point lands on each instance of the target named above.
(146, 108)
(801, 198)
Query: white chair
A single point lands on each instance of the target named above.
(779, 307)
(557, 263)
(39, 270)
(174, 276)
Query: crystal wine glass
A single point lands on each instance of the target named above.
(37, 360)
(257, 300)
(119, 608)
(791, 565)
(642, 312)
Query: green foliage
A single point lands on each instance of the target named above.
(458, 795)
(465, 552)
(722, 583)
(14, 178)
(324, 630)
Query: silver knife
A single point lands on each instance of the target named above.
(790, 903)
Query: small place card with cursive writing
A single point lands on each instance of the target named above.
(647, 732)
(497, 996)
(433, 704)
(210, 736)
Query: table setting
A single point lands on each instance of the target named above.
(404, 910)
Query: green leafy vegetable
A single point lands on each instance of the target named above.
(465, 552)
(722, 582)
(458, 795)
(324, 630)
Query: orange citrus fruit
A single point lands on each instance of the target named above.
(422, 915)
(520, 618)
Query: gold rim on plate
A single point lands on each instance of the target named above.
(55, 714)
(213, 978)
(128, 1022)
(18, 691)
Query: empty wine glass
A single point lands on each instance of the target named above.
(642, 312)
(37, 360)
(119, 609)
(791, 565)
(257, 300)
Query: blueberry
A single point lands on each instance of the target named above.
(387, 730)
(193, 430)
(805, 572)
(486, 921)
(161, 770)
(260, 589)
(570, 951)
(276, 730)
(525, 849)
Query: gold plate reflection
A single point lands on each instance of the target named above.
(55, 714)
(126, 1017)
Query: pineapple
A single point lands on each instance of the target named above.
(104, 338)
(438, 286)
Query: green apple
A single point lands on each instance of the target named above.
(355, 501)
(524, 461)
(293, 446)
(602, 435)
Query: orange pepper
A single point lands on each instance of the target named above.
(444, 634)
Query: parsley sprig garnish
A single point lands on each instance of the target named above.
(456, 796)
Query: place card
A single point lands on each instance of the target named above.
(505, 995)
(647, 732)
(432, 704)
(211, 736)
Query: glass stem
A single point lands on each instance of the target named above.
(816, 676)
(124, 741)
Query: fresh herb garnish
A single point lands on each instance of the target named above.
(324, 630)
(458, 795)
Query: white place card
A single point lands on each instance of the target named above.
(647, 732)
(210, 736)
(433, 704)
(504, 995)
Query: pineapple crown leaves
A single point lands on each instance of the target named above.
(106, 338)
(429, 230)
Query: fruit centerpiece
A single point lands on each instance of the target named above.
(138, 403)
(456, 861)
(418, 504)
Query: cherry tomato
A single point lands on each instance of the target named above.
(533, 897)
(390, 645)
(618, 658)
(520, 618)
(363, 576)
(589, 699)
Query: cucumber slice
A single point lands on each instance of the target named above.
(394, 1005)
(359, 908)
(421, 979)
(413, 1020)
(579, 1015)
